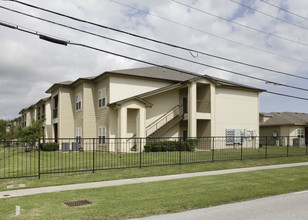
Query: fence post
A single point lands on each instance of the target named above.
(288, 148)
(140, 164)
(39, 158)
(93, 155)
(266, 147)
(213, 149)
(180, 146)
(241, 149)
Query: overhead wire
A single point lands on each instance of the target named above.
(62, 42)
(240, 24)
(152, 50)
(288, 11)
(266, 14)
(147, 38)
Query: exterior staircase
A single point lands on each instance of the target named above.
(165, 122)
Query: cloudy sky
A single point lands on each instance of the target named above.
(272, 38)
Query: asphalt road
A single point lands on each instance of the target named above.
(281, 207)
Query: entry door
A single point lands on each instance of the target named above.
(185, 105)
(55, 128)
(185, 134)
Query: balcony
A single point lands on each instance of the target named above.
(203, 106)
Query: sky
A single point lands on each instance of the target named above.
(29, 65)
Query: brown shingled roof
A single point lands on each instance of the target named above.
(286, 118)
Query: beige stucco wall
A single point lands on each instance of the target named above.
(268, 131)
(103, 116)
(89, 116)
(78, 114)
(285, 130)
(172, 132)
(47, 122)
(162, 103)
(122, 87)
(66, 113)
(235, 109)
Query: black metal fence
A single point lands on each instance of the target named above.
(35, 158)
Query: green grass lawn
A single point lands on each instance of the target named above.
(14, 162)
(104, 175)
(122, 202)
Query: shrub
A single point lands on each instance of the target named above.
(163, 146)
(49, 146)
(147, 148)
(172, 146)
(28, 149)
(156, 148)
(260, 145)
(191, 144)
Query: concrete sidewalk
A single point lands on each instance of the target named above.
(50, 189)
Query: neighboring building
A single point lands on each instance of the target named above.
(286, 127)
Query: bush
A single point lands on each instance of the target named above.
(260, 145)
(28, 149)
(191, 144)
(164, 146)
(156, 148)
(49, 146)
(147, 148)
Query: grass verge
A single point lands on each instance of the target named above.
(140, 200)
(84, 177)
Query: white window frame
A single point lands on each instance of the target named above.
(78, 101)
(102, 135)
(78, 135)
(300, 132)
(102, 98)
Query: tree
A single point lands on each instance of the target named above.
(32, 132)
(3, 126)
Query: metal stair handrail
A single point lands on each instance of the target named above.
(175, 110)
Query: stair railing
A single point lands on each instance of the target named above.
(164, 119)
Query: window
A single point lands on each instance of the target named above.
(300, 133)
(102, 98)
(78, 101)
(102, 135)
(38, 113)
(78, 135)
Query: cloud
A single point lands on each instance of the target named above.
(29, 66)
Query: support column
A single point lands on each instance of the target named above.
(122, 127)
(142, 118)
(192, 110)
(141, 129)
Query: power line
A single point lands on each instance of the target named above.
(242, 25)
(290, 12)
(151, 39)
(151, 50)
(62, 42)
(191, 61)
(261, 12)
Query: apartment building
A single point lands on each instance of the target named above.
(151, 102)
(39, 110)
